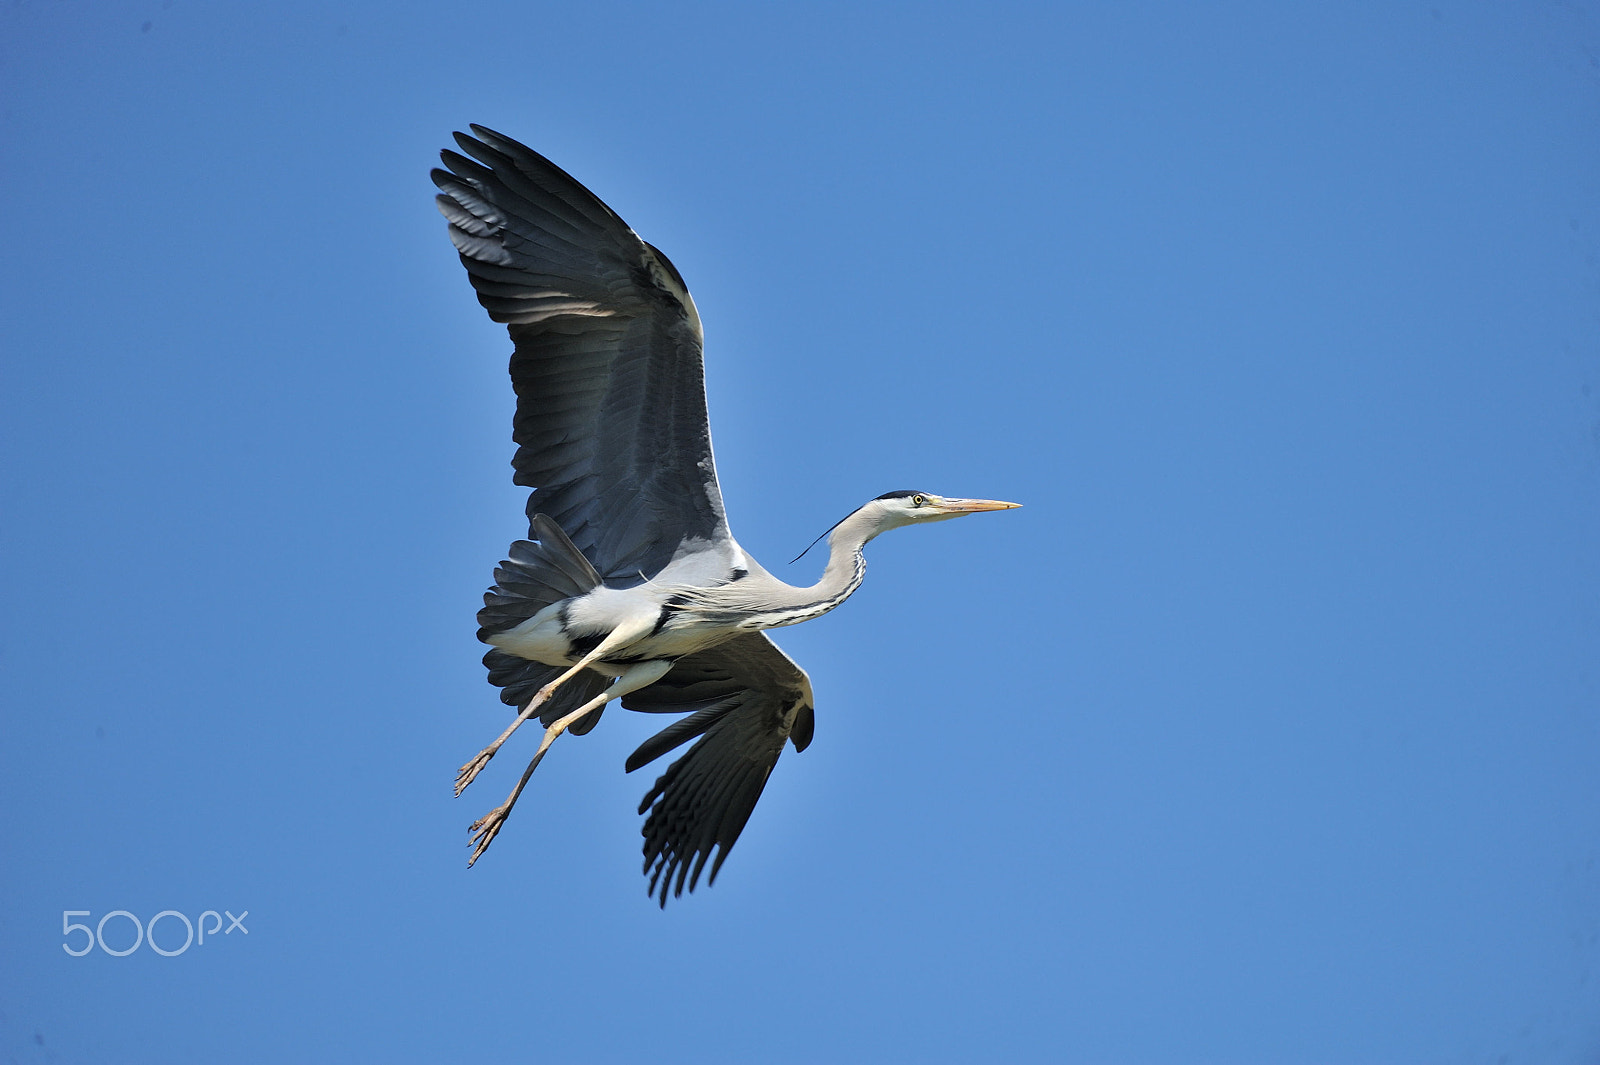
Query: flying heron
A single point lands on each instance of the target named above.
(630, 585)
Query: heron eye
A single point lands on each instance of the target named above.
(918, 500)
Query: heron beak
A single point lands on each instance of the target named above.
(974, 506)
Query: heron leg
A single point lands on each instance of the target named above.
(621, 636)
(467, 773)
(488, 826)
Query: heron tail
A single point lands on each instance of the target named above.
(538, 573)
(519, 679)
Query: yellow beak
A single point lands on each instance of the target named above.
(973, 506)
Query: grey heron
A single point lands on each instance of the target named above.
(630, 585)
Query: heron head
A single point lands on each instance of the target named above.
(911, 507)
(894, 509)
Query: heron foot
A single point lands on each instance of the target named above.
(469, 772)
(485, 828)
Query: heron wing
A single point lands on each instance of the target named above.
(611, 410)
(747, 698)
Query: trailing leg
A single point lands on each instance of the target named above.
(488, 826)
(618, 638)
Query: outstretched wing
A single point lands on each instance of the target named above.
(611, 407)
(747, 698)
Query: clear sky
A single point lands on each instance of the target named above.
(1268, 732)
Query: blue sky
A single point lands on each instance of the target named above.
(1266, 732)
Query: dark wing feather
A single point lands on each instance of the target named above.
(747, 698)
(611, 410)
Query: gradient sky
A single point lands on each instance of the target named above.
(1268, 732)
